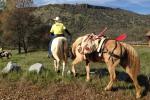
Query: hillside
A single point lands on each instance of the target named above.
(82, 19)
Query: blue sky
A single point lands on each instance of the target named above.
(138, 6)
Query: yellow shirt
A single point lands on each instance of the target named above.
(58, 28)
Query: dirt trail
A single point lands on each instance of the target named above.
(59, 91)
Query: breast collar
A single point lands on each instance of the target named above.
(101, 45)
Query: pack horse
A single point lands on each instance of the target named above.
(110, 51)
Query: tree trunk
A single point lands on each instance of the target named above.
(19, 47)
(25, 47)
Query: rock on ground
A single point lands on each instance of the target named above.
(37, 67)
(11, 67)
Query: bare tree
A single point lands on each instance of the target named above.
(19, 23)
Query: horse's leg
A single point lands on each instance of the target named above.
(76, 61)
(87, 70)
(63, 69)
(64, 65)
(55, 65)
(58, 63)
(133, 76)
(111, 69)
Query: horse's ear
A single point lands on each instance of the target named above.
(92, 34)
(87, 36)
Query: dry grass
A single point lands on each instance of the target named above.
(50, 85)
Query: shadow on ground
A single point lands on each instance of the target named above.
(144, 80)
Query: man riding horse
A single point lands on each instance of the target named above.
(57, 30)
(58, 46)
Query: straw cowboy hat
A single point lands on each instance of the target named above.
(57, 19)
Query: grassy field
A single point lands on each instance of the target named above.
(50, 85)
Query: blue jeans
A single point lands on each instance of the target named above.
(49, 45)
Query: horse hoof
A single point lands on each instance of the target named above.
(73, 74)
(58, 71)
(107, 89)
(138, 96)
(139, 93)
(87, 80)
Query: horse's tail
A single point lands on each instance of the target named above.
(132, 58)
(65, 48)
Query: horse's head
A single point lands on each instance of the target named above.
(88, 44)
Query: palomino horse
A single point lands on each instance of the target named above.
(113, 54)
(59, 50)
